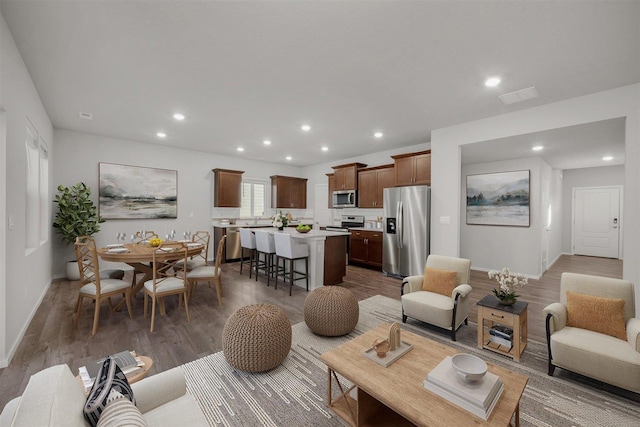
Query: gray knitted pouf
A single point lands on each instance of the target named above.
(256, 338)
(331, 311)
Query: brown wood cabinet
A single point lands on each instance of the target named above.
(413, 168)
(288, 192)
(227, 188)
(331, 180)
(346, 176)
(365, 247)
(371, 183)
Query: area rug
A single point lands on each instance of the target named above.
(295, 393)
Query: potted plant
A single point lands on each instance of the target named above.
(77, 216)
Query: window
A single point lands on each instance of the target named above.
(254, 193)
(37, 190)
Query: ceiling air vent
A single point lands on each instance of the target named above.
(519, 95)
(86, 116)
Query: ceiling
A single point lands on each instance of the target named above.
(245, 71)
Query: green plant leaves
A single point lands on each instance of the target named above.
(77, 214)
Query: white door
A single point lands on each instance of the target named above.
(321, 211)
(596, 221)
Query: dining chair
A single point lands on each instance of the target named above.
(248, 242)
(93, 286)
(290, 249)
(165, 281)
(138, 237)
(208, 273)
(200, 259)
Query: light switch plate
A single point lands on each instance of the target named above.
(445, 220)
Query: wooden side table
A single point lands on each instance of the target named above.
(491, 312)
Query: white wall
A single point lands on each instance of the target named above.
(587, 177)
(195, 181)
(445, 161)
(494, 247)
(26, 277)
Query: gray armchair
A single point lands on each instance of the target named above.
(606, 358)
(444, 311)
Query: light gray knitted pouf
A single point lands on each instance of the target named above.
(256, 338)
(331, 311)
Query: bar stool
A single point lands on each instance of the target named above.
(290, 249)
(248, 241)
(265, 245)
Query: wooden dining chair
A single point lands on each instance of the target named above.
(139, 238)
(208, 273)
(200, 259)
(165, 280)
(92, 285)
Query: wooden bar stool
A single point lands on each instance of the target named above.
(288, 248)
(248, 241)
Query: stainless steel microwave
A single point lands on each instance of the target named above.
(344, 199)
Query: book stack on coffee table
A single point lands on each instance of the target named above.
(478, 397)
(127, 361)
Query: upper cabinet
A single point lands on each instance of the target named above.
(346, 176)
(227, 188)
(288, 192)
(331, 179)
(413, 168)
(371, 183)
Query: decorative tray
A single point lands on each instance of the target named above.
(392, 355)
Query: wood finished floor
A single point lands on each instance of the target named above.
(50, 338)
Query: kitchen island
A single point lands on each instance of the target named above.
(327, 255)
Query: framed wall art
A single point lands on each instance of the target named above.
(500, 198)
(134, 192)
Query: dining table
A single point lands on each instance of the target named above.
(140, 257)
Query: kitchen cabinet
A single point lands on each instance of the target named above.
(288, 192)
(331, 181)
(365, 247)
(413, 168)
(227, 188)
(371, 183)
(346, 176)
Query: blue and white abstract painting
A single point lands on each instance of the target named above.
(500, 198)
(134, 192)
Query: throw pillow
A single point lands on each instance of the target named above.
(597, 314)
(439, 281)
(109, 378)
(121, 412)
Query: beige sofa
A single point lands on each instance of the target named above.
(596, 355)
(54, 397)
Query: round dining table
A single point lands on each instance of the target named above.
(140, 257)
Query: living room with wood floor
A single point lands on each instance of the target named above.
(319, 213)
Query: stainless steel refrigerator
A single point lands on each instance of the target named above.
(406, 230)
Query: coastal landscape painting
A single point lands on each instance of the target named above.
(134, 192)
(500, 198)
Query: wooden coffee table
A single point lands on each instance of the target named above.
(395, 395)
(133, 377)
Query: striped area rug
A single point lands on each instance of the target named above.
(295, 393)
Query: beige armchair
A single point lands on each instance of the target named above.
(599, 355)
(447, 310)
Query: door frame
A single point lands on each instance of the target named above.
(620, 222)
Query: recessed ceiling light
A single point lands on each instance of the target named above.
(86, 116)
(325, 148)
(178, 116)
(161, 135)
(492, 82)
(289, 157)
(305, 128)
(240, 149)
(607, 158)
(378, 134)
(537, 148)
(266, 142)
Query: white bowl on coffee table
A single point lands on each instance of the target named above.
(471, 368)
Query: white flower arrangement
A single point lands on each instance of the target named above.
(279, 220)
(508, 283)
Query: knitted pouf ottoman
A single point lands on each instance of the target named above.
(256, 338)
(331, 311)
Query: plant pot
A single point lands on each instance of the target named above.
(280, 228)
(73, 273)
(506, 301)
